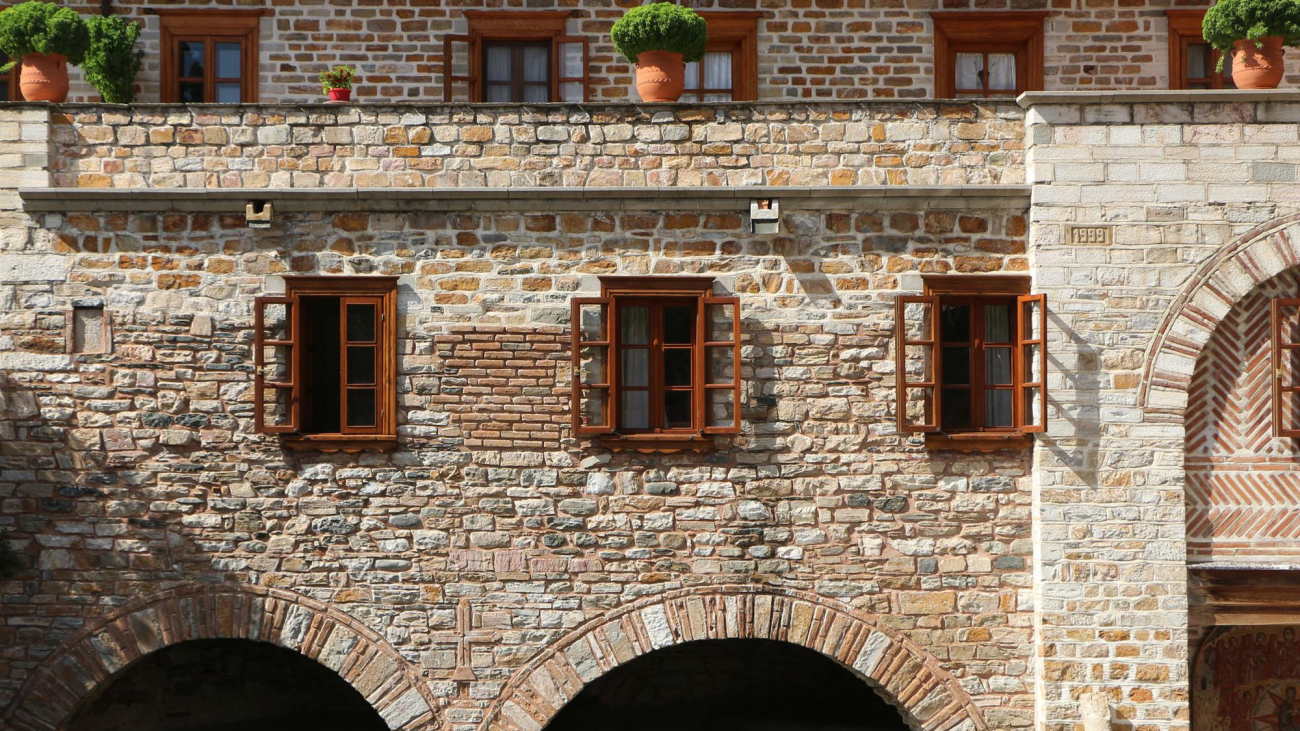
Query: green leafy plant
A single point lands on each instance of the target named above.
(1233, 20)
(37, 27)
(340, 77)
(112, 60)
(661, 27)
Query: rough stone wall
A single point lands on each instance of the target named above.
(829, 50)
(140, 470)
(614, 145)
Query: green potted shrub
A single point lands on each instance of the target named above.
(45, 38)
(1253, 32)
(337, 83)
(660, 39)
(112, 60)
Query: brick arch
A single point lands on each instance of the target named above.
(908, 677)
(1217, 285)
(96, 654)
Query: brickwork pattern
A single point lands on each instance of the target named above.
(459, 146)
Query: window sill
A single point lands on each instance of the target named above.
(657, 443)
(350, 443)
(978, 441)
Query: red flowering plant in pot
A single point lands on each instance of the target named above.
(337, 83)
(660, 39)
(45, 38)
(1253, 32)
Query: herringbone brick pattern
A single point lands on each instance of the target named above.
(1243, 485)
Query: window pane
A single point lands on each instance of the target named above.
(997, 323)
(537, 94)
(361, 365)
(497, 67)
(190, 57)
(717, 70)
(955, 324)
(228, 92)
(1002, 71)
(1198, 60)
(276, 322)
(571, 91)
(497, 93)
(593, 407)
(1033, 365)
(721, 366)
(720, 408)
(997, 408)
(592, 364)
(228, 60)
(1034, 405)
(361, 323)
(277, 406)
(956, 366)
(635, 322)
(970, 67)
(678, 323)
(677, 409)
(916, 363)
(956, 408)
(591, 322)
(720, 322)
(636, 368)
(571, 60)
(361, 407)
(634, 409)
(192, 93)
(997, 366)
(276, 363)
(677, 367)
(692, 75)
(537, 64)
(918, 410)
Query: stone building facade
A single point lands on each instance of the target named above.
(493, 562)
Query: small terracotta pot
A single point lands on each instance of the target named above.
(1257, 68)
(660, 76)
(44, 77)
(340, 95)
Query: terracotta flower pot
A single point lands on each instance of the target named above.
(44, 77)
(1257, 68)
(340, 95)
(660, 76)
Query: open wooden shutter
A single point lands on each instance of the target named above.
(275, 356)
(460, 75)
(1031, 377)
(719, 400)
(569, 69)
(593, 366)
(918, 375)
(1285, 321)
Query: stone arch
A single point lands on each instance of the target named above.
(908, 677)
(1217, 285)
(94, 655)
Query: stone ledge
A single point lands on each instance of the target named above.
(1210, 96)
(408, 106)
(233, 200)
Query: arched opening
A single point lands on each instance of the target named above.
(736, 684)
(226, 685)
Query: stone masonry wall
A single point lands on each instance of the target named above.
(139, 471)
(835, 49)
(614, 145)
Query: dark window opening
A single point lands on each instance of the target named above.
(321, 413)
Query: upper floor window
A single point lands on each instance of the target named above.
(987, 54)
(972, 359)
(729, 69)
(1191, 59)
(515, 56)
(9, 82)
(326, 362)
(656, 359)
(209, 55)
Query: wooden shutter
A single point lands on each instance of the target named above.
(461, 58)
(719, 400)
(1031, 375)
(276, 323)
(362, 379)
(918, 375)
(569, 83)
(593, 365)
(1285, 322)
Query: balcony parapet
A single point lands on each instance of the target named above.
(323, 146)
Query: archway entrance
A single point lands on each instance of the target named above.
(734, 684)
(226, 685)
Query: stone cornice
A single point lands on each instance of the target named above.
(1209, 96)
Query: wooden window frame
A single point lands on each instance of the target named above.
(1184, 30)
(618, 292)
(517, 84)
(1016, 32)
(381, 290)
(737, 32)
(504, 26)
(210, 26)
(1282, 430)
(1007, 289)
